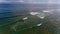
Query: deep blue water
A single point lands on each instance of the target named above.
(10, 10)
(5, 11)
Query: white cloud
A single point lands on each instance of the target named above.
(2, 0)
(21, 1)
(11, 0)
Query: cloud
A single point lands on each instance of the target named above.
(11, 0)
(30, 1)
(21, 0)
(1, 0)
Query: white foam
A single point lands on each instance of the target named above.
(34, 13)
(39, 24)
(42, 17)
(58, 9)
(25, 18)
(46, 11)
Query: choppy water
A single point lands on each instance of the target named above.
(9, 13)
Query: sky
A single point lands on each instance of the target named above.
(32, 1)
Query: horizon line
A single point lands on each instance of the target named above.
(27, 2)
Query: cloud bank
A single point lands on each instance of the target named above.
(32, 1)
